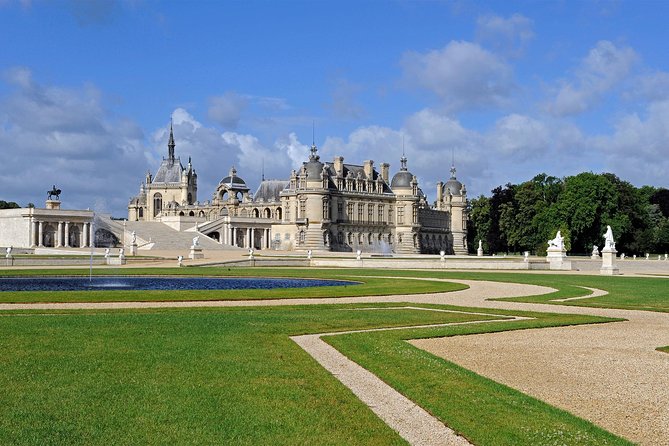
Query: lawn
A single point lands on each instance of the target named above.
(233, 376)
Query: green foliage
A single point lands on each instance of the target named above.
(8, 205)
(523, 217)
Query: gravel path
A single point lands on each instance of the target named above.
(609, 374)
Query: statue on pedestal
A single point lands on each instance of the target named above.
(196, 241)
(557, 242)
(608, 238)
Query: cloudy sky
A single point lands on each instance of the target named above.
(509, 89)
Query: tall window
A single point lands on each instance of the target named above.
(349, 212)
(400, 215)
(391, 216)
(326, 209)
(360, 211)
(303, 209)
(340, 210)
(370, 213)
(157, 204)
(381, 219)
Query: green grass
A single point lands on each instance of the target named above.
(663, 349)
(366, 286)
(485, 412)
(222, 376)
(232, 376)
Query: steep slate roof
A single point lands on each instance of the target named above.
(269, 190)
(169, 171)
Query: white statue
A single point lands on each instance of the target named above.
(608, 238)
(107, 251)
(134, 238)
(480, 244)
(251, 254)
(121, 253)
(442, 255)
(557, 242)
(196, 241)
(622, 256)
(595, 251)
(180, 260)
(358, 254)
(309, 254)
(9, 252)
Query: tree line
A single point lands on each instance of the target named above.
(523, 217)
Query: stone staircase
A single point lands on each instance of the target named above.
(313, 239)
(157, 236)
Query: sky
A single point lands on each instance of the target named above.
(506, 90)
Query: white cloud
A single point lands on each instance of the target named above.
(637, 148)
(521, 136)
(65, 136)
(462, 74)
(226, 110)
(602, 69)
(510, 35)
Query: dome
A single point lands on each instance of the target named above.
(233, 180)
(402, 178)
(453, 186)
(314, 169)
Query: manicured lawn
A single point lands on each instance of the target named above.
(222, 376)
(664, 349)
(233, 376)
(485, 412)
(633, 293)
(369, 286)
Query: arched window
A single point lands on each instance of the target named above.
(191, 214)
(278, 213)
(157, 204)
(141, 212)
(256, 213)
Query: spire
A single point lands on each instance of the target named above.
(403, 160)
(262, 178)
(170, 144)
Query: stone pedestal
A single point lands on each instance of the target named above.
(52, 204)
(557, 258)
(479, 252)
(133, 249)
(196, 253)
(609, 267)
(116, 261)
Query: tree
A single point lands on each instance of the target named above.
(479, 223)
(8, 205)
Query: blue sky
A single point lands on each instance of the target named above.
(511, 89)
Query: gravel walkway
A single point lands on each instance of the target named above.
(609, 374)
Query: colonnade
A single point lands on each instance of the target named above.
(244, 237)
(66, 234)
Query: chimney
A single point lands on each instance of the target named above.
(369, 169)
(385, 168)
(440, 191)
(339, 165)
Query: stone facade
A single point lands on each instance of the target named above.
(321, 207)
(48, 227)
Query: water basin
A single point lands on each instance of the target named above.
(159, 283)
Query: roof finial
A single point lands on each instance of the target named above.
(403, 160)
(452, 164)
(262, 178)
(314, 150)
(170, 144)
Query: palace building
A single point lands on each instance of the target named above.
(323, 206)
